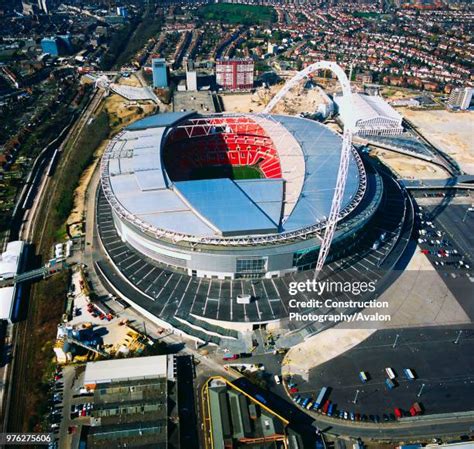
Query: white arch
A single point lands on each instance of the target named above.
(345, 153)
(320, 65)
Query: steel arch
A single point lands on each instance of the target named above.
(345, 153)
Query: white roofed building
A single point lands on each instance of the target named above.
(9, 268)
(121, 370)
(10, 259)
(369, 115)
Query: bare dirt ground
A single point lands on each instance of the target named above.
(77, 214)
(132, 80)
(122, 112)
(451, 132)
(409, 167)
(298, 100)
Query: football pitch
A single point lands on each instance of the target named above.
(227, 171)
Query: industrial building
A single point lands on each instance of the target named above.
(160, 73)
(130, 405)
(237, 420)
(235, 74)
(369, 115)
(460, 98)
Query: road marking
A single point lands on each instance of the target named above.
(148, 274)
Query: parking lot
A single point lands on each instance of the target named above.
(447, 239)
(68, 408)
(443, 369)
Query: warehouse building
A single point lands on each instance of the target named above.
(238, 420)
(130, 402)
(369, 115)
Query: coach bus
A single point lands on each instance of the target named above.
(320, 398)
(390, 373)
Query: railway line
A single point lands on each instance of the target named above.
(13, 416)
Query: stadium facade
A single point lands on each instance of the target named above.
(171, 181)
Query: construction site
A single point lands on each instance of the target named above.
(91, 330)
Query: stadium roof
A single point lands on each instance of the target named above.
(159, 120)
(321, 149)
(133, 177)
(226, 207)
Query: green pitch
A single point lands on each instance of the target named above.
(227, 171)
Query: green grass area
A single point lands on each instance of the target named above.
(93, 134)
(246, 172)
(371, 15)
(227, 171)
(238, 14)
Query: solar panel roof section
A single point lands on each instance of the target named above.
(186, 222)
(143, 157)
(322, 150)
(153, 202)
(224, 206)
(267, 194)
(160, 120)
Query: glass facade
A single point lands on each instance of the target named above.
(254, 265)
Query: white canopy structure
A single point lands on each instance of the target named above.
(369, 115)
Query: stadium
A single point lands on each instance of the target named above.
(226, 196)
(195, 211)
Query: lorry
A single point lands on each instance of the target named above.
(319, 400)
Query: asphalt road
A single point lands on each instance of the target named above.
(186, 402)
(444, 368)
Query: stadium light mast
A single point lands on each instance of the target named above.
(345, 153)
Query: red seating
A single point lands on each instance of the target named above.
(233, 141)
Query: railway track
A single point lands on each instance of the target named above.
(17, 391)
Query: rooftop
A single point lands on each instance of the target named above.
(125, 369)
(360, 108)
(137, 184)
